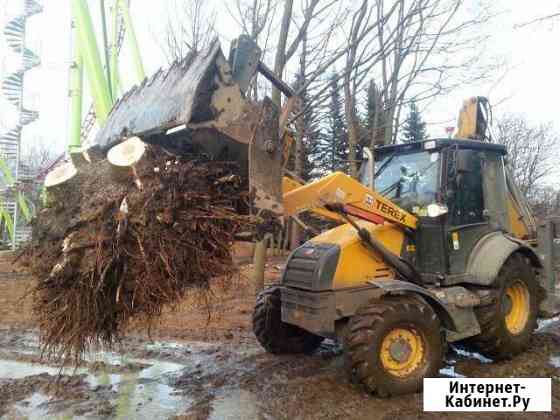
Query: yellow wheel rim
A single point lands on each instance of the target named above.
(402, 351)
(517, 307)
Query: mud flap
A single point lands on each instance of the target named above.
(454, 305)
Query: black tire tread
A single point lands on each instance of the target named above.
(274, 335)
(364, 329)
(494, 341)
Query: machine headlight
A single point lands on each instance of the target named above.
(436, 209)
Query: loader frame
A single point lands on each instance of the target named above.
(467, 255)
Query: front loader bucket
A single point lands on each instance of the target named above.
(197, 108)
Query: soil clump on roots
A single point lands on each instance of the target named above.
(105, 252)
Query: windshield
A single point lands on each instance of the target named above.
(409, 180)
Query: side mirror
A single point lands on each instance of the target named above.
(465, 160)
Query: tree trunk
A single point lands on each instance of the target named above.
(353, 132)
(280, 58)
(350, 90)
(124, 158)
(259, 260)
(57, 181)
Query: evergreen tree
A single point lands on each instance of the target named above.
(331, 149)
(414, 128)
(375, 118)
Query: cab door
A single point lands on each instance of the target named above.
(473, 184)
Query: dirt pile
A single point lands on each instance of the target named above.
(105, 252)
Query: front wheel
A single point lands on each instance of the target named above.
(274, 335)
(509, 315)
(393, 344)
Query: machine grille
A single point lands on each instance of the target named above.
(302, 268)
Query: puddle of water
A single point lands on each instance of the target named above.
(555, 361)
(187, 347)
(156, 369)
(149, 400)
(10, 369)
(236, 404)
(450, 372)
(32, 408)
(170, 345)
(140, 394)
(542, 323)
(471, 355)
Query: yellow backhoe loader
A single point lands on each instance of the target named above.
(438, 246)
(435, 243)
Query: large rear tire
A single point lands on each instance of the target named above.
(393, 344)
(508, 315)
(274, 335)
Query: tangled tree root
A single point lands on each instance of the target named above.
(107, 251)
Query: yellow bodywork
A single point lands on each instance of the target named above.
(358, 200)
(467, 122)
(289, 184)
(357, 264)
(518, 307)
(518, 227)
(404, 362)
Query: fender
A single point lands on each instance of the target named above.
(453, 305)
(490, 254)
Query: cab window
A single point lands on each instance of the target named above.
(410, 180)
(465, 193)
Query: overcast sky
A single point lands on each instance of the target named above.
(527, 84)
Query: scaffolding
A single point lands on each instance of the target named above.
(14, 208)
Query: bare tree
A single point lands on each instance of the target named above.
(375, 122)
(253, 16)
(545, 202)
(39, 157)
(308, 56)
(410, 48)
(359, 23)
(256, 18)
(532, 151)
(190, 27)
(285, 51)
(540, 19)
(432, 53)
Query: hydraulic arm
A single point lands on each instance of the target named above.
(356, 200)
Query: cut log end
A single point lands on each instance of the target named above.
(57, 182)
(60, 175)
(123, 159)
(128, 153)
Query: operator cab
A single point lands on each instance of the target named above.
(408, 176)
(456, 189)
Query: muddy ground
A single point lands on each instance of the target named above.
(202, 362)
